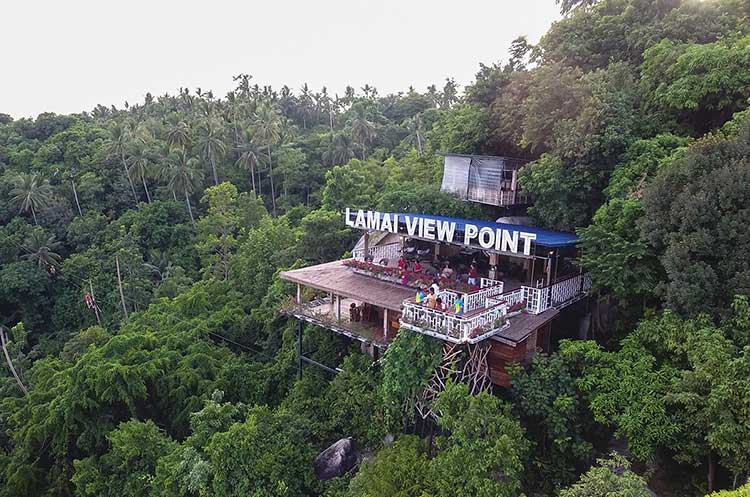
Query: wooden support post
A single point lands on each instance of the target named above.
(299, 294)
(365, 245)
(299, 349)
(548, 268)
(493, 266)
(385, 323)
(119, 284)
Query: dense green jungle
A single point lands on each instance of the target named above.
(145, 354)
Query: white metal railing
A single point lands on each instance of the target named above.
(390, 251)
(477, 300)
(558, 294)
(537, 299)
(487, 282)
(451, 326)
(474, 326)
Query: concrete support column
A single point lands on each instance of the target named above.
(366, 244)
(299, 294)
(338, 306)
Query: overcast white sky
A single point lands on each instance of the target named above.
(69, 55)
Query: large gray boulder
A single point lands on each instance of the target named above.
(336, 460)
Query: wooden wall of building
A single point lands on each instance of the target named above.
(502, 354)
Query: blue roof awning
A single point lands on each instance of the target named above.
(547, 238)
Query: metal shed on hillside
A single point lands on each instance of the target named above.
(484, 178)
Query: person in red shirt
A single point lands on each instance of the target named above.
(473, 274)
(401, 263)
(417, 266)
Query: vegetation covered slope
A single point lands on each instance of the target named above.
(177, 376)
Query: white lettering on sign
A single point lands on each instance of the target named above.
(486, 237)
(445, 230)
(527, 238)
(373, 220)
(428, 228)
(411, 225)
(470, 232)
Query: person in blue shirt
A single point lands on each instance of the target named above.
(458, 305)
(420, 298)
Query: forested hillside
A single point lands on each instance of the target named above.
(144, 350)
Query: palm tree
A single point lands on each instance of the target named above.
(267, 132)
(139, 162)
(362, 129)
(339, 150)
(30, 192)
(182, 173)
(178, 132)
(249, 156)
(42, 248)
(159, 264)
(118, 144)
(210, 142)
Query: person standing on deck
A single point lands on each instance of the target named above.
(402, 263)
(458, 305)
(420, 297)
(473, 274)
(447, 272)
(432, 299)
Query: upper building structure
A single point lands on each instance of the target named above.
(484, 179)
(495, 284)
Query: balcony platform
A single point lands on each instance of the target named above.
(336, 278)
(522, 325)
(321, 314)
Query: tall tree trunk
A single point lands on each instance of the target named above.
(419, 143)
(213, 166)
(190, 210)
(145, 187)
(127, 176)
(363, 150)
(270, 175)
(75, 195)
(252, 177)
(119, 286)
(711, 471)
(10, 363)
(33, 214)
(174, 195)
(330, 120)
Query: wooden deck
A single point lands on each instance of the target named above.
(522, 325)
(336, 278)
(322, 314)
